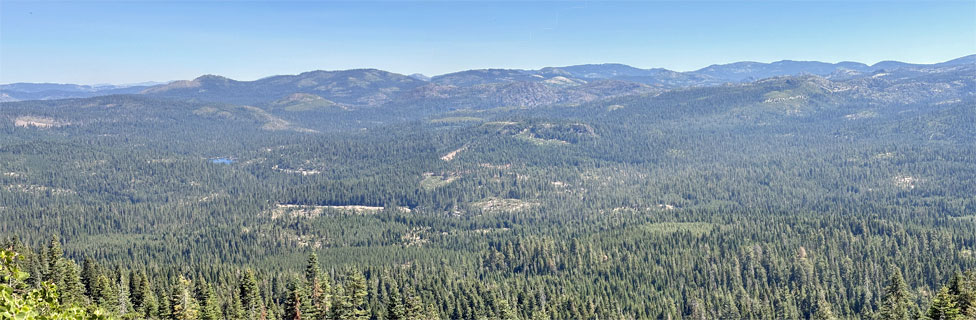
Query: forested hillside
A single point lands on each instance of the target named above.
(797, 197)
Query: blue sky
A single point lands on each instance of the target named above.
(134, 41)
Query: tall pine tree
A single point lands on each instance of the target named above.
(250, 295)
(183, 304)
(944, 306)
(896, 303)
(209, 307)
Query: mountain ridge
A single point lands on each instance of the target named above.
(370, 86)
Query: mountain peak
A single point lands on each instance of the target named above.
(212, 78)
(420, 76)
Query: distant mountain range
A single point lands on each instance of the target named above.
(711, 75)
(323, 101)
(361, 87)
(371, 87)
(49, 91)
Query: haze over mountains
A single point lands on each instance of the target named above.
(370, 87)
(318, 101)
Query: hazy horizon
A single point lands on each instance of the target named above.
(129, 42)
(153, 81)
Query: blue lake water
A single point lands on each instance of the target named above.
(222, 160)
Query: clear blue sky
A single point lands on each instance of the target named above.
(134, 41)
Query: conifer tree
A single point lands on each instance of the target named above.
(250, 295)
(394, 306)
(963, 288)
(209, 307)
(696, 310)
(348, 301)
(944, 306)
(164, 310)
(432, 312)
(271, 309)
(540, 315)
(506, 311)
(106, 292)
(896, 301)
(183, 304)
(124, 305)
(234, 309)
(341, 304)
(151, 305)
(294, 299)
(142, 296)
(54, 271)
(19, 301)
(415, 308)
(89, 276)
(355, 290)
(785, 306)
(823, 309)
(74, 290)
(317, 287)
(136, 295)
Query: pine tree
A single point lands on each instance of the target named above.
(209, 308)
(505, 310)
(963, 288)
(341, 305)
(415, 307)
(183, 305)
(20, 301)
(89, 276)
(785, 306)
(432, 312)
(124, 305)
(250, 296)
(896, 301)
(355, 290)
(294, 300)
(234, 310)
(318, 302)
(540, 315)
(142, 296)
(54, 271)
(74, 290)
(823, 309)
(164, 310)
(348, 302)
(151, 305)
(394, 306)
(696, 310)
(944, 306)
(135, 290)
(106, 292)
(271, 309)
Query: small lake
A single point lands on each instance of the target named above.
(222, 160)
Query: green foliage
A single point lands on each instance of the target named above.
(395, 309)
(17, 301)
(205, 296)
(317, 297)
(896, 303)
(704, 203)
(944, 306)
(295, 301)
(955, 300)
(183, 304)
(251, 302)
(349, 301)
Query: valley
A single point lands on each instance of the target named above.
(582, 192)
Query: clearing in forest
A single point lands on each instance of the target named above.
(309, 211)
